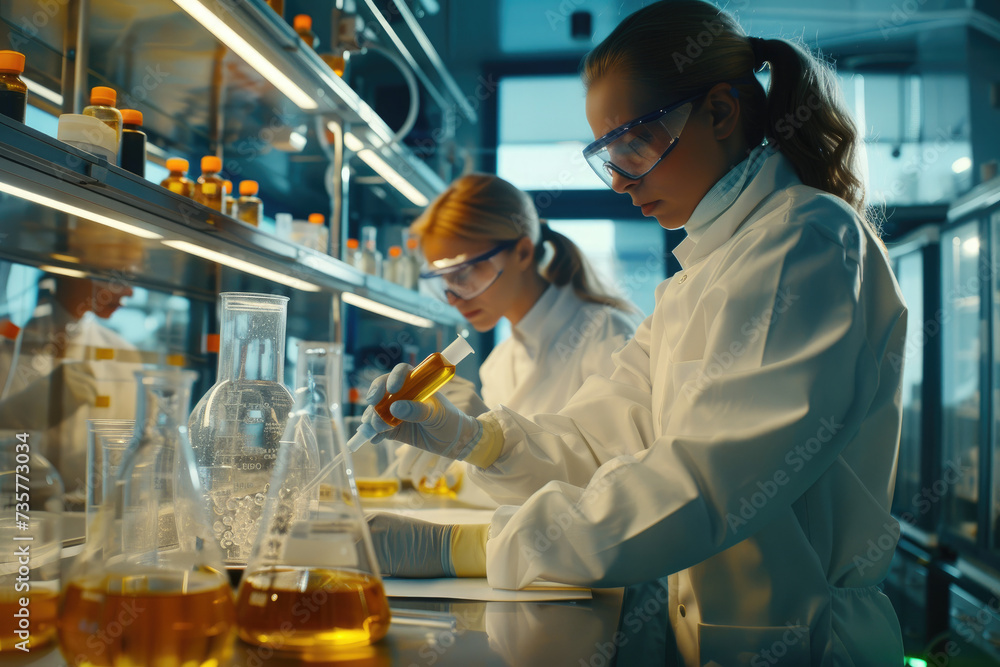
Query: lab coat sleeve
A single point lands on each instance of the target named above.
(571, 445)
(775, 415)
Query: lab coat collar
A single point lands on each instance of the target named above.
(713, 227)
(539, 326)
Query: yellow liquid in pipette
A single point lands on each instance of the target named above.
(430, 375)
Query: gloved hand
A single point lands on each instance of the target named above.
(436, 426)
(407, 547)
(463, 396)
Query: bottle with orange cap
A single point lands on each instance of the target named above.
(278, 6)
(13, 91)
(303, 25)
(249, 207)
(102, 107)
(211, 188)
(132, 152)
(394, 265)
(353, 252)
(178, 181)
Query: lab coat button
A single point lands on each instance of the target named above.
(681, 610)
(681, 280)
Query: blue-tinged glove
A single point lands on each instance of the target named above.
(436, 426)
(416, 549)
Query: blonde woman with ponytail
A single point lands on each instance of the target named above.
(565, 325)
(744, 446)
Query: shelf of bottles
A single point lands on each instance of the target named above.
(78, 191)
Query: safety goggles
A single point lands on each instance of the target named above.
(635, 148)
(466, 278)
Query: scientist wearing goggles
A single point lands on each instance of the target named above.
(744, 446)
(490, 256)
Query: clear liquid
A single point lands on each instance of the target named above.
(325, 608)
(430, 375)
(235, 449)
(42, 609)
(163, 619)
(377, 488)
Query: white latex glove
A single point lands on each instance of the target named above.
(463, 396)
(436, 426)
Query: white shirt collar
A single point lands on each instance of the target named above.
(539, 325)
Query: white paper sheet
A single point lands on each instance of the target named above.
(471, 588)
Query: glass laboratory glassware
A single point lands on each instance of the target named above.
(31, 494)
(149, 588)
(370, 259)
(107, 442)
(313, 551)
(237, 425)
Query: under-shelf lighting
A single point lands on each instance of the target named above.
(242, 265)
(388, 311)
(93, 216)
(72, 273)
(383, 169)
(244, 50)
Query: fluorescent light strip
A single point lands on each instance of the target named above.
(76, 210)
(388, 311)
(244, 50)
(241, 265)
(383, 169)
(351, 142)
(72, 273)
(43, 92)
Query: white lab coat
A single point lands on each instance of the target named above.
(557, 345)
(113, 362)
(745, 444)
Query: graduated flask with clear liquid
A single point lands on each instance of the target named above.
(149, 587)
(312, 585)
(237, 425)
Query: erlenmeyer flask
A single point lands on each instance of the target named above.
(312, 583)
(237, 424)
(149, 587)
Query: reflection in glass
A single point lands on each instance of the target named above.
(910, 274)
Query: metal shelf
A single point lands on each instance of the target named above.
(42, 167)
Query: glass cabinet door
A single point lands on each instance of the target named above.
(906, 499)
(961, 378)
(995, 477)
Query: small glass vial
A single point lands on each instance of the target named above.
(370, 257)
(228, 201)
(303, 25)
(132, 152)
(352, 254)
(177, 181)
(410, 269)
(13, 91)
(210, 190)
(249, 207)
(102, 107)
(394, 265)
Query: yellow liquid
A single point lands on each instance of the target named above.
(42, 609)
(377, 488)
(179, 184)
(167, 620)
(249, 210)
(210, 192)
(430, 375)
(303, 609)
(443, 487)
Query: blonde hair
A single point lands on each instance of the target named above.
(481, 207)
(680, 48)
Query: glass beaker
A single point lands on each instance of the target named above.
(149, 587)
(312, 583)
(237, 425)
(107, 441)
(31, 496)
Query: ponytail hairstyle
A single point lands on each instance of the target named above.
(680, 48)
(481, 207)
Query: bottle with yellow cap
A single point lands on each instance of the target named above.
(228, 201)
(132, 152)
(249, 207)
(13, 91)
(178, 181)
(303, 25)
(102, 107)
(210, 190)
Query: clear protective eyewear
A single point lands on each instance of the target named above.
(636, 147)
(466, 278)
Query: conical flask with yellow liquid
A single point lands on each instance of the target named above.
(312, 585)
(149, 587)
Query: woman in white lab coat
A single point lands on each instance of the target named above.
(490, 256)
(745, 442)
